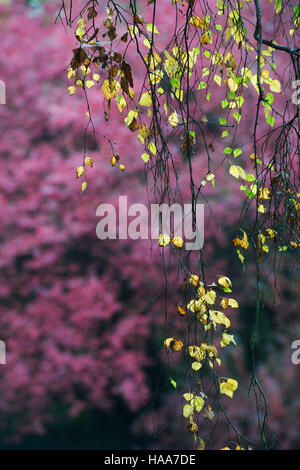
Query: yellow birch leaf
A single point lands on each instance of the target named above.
(110, 89)
(80, 171)
(233, 303)
(145, 156)
(71, 90)
(145, 99)
(173, 119)
(237, 172)
(188, 411)
(164, 240)
(89, 83)
(89, 161)
(224, 281)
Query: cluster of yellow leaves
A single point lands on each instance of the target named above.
(225, 303)
(241, 242)
(199, 353)
(264, 193)
(171, 65)
(175, 344)
(152, 60)
(80, 170)
(143, 134)
(200, 22)
(165, 240)
(194, 403)
(234, 30)
(210, 178)
(115, 159)
(227, 339)
(228, 387)
(201, 305)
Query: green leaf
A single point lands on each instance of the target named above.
(227, 289)
(271, 120)
(175, 82)
(152, 148)
(250, 177)
(173, 383)
(151, 27)
(237, 152)
(237, 117)
(283, 248)
(202, 444)
(224, 104)
(224, 134)
(247, 191)
(270, 98)
(278, 6)
(241, 257)
(201, 85)
(228, 150)
(240, 101)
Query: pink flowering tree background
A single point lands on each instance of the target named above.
(84, 320)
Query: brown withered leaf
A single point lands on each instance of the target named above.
(276, 179)
(184, 146)
(112, 33)
(139, 19)
(79, 57)
(134, 125)
(124, 85)
(107, 22)
(124, 38)
(94, 34)
(103, 57)
(125, 67)
(92, 13)
(113, 71)
(117, 57)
